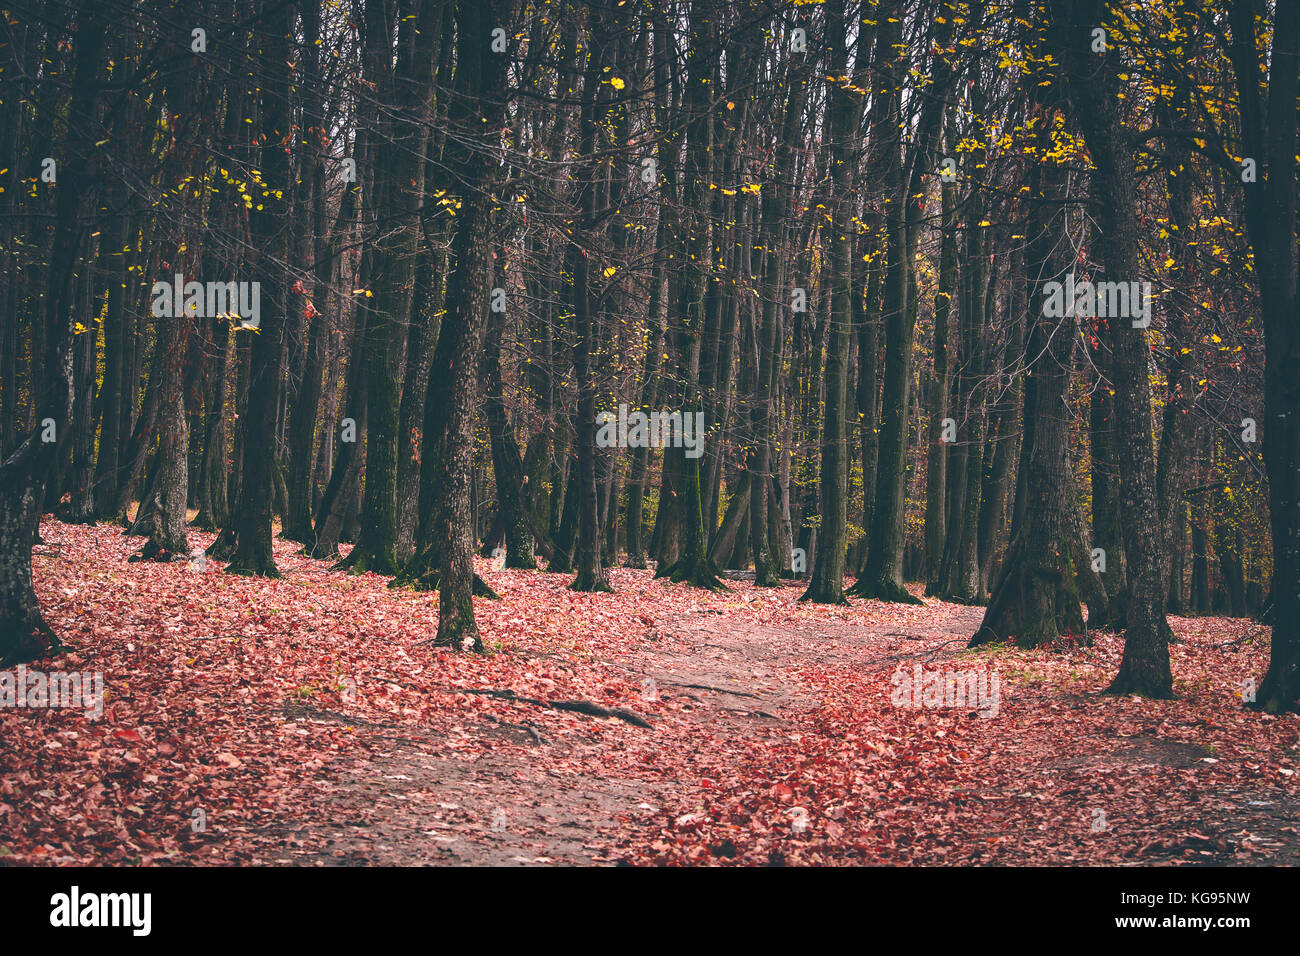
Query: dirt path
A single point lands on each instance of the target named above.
(537, 800)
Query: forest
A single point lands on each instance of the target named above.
(544, 380)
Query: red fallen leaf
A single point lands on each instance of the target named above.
(905, 785)
(130, 736)
(230, 760)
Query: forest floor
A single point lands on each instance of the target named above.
(306, 721)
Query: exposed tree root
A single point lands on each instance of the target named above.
(576, 706)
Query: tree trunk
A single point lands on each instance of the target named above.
(842, 118)
(253, 551)
(24, 635)
(1144, 668)
(1035, 600)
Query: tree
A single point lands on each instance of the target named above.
(24, 635)
(403, 93)
(882, 574)
(253, 552)
(1035, 600)
(1269, 132)
(843, 112)
(686, 321)
(477, 111)
(1145, 666)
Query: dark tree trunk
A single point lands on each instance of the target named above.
(842, 117)
(1269, 130)
(1035, 601)
(936, 473)
(586, 324)
(963, 580)
(253, 552)
(764, 420)
(399, 196)
(692, 564)
(1091, 85)
(24, 634)
(304, 414)
(426, 324)
(506, 463)
(214, 507)
(345, 475)
(478, 110)
(882, 575)
(640, 471)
